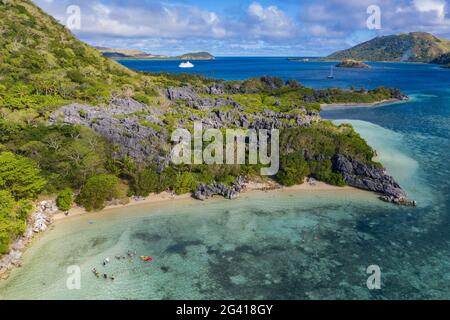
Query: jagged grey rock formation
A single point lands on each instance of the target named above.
(133, 126)
(266, 120)
(193, 100)
(367, 177)
(277, 120)
(217, 89)
(205, 191)
(139, 132)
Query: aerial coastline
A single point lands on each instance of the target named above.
(237, 177)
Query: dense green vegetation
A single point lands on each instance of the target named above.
(335, 95)
(324, 140)
(20, 176)
(13, 217)
(99, 189)
(308, 152)
(179, 179)
(185, 183)
(20, 181)
(66, 155)
(43, 66)
(64, 200)
(293, 170)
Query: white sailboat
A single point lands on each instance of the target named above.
(186, 65)
(331, 76)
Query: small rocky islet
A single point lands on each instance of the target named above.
(349, 63)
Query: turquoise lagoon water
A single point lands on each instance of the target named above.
(280, 245)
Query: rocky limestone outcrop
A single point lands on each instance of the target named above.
(277, 120)
(125, 122)
(193, 100)
(216, 89)
(38, 222)
(206, 191)
(141, 134)
(368, 177)
(267, 119)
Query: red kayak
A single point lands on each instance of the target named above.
(146, 258)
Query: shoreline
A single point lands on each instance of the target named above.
(330, 106)
(165, 197)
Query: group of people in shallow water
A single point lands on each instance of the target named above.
(104, 276)
(130, 254)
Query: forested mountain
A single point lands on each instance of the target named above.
(410, 47)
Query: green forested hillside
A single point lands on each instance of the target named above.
(42, 65)
(411, 47)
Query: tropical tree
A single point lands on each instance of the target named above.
(293, 170)
(20, 176)
(98, 190)
(65, 199)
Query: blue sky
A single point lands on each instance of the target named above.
(246, 28)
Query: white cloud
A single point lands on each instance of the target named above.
(436, 6)
(280, 27)
(162, 20)
(318, 30)
(269, 21)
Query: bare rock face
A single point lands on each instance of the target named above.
(190, 96)
(205, 191)
(131, 125)
(182, 93)
(362, 176)
(127, 106)
(277, 120)
(235, 116)
(216, 89)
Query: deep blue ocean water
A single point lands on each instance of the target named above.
(281, 245)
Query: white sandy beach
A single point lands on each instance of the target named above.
(165, 197)
(352, 105)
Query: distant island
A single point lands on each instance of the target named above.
(349, 63)
(420, 47)
(126, 54)
(411, 47)
(300, 59)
